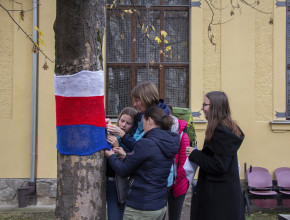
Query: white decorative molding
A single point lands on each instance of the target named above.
(200, 125)
(280, 126)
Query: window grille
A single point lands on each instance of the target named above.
(132, 58)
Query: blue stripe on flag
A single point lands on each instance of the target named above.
(81, 140)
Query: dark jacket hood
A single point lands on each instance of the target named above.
(226, 142)
(167, 141)
(165, 107)
(161, 104)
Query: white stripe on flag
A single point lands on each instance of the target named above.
(82, 84)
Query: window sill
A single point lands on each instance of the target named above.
(114, 120)
(280, 126)
(200, 125)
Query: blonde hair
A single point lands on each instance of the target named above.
(147, 92)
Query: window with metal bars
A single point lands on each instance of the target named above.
(134, 56)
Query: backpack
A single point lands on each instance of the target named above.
(186, 115)
(173, 170)
(172, 175)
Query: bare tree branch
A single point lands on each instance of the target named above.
(253, 7)
(34, 43)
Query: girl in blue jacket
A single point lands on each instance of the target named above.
(148, 166)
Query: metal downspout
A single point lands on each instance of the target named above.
(31, 188)
(34, 94)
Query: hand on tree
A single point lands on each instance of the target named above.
(120, 152)
(108, 121)
(113, 140)
(109, 153)
(113, 129)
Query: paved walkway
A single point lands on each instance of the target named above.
(47, 212)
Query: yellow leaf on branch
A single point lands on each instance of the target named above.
(128, 11)
(39, 32)
(168, 48)
(36, 44)
(158, 40)
(41, 42)
(163, 33)
(144, 28)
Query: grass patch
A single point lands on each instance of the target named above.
(27, 214)
(267, 215)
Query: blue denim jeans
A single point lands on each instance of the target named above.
(114, 210)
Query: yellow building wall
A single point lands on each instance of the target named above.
(47, 161)
(15, 96)
(247, 62)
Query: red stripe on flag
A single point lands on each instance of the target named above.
(80, 110)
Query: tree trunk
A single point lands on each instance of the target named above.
(79, 29)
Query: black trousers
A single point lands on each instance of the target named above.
(175, 205)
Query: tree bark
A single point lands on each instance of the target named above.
(81, 187)
(79, 30)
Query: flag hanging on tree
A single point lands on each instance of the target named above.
(80, 113)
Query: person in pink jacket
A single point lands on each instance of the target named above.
(177, 192)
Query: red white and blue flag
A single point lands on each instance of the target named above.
(80, 113)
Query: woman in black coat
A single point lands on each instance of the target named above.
(218, 194)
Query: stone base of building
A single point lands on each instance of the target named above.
(45, 193)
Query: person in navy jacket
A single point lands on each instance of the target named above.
(148, 166)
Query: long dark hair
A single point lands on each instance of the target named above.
(160, 118)
(219, 114)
